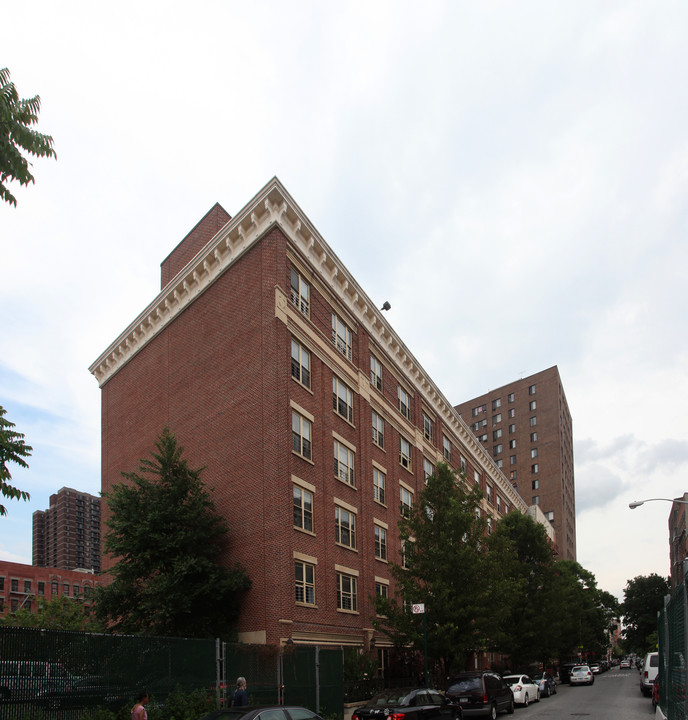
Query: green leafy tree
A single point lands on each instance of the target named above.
(446, 566)
(583, 613)
(168, 538)
(12, 449)
(18, 137)
(59, 613)
(643, 599)
(525, 556)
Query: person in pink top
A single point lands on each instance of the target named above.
(138, 712)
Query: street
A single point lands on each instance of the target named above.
(615, 694)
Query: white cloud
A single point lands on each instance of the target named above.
(510, 177)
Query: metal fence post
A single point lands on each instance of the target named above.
(317, 679)
(280, 677)
(219, 671)
(684, 644)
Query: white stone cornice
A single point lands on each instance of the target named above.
(273, 205)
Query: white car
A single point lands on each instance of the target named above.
(525, 689)
(648, 672)
(581, 675)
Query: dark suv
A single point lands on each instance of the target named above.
(480, 693)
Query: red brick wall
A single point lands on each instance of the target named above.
(219, 376)
(216, 218)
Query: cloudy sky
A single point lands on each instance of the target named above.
(511, 176)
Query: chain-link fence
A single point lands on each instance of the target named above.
(67, 674)
(673, 652)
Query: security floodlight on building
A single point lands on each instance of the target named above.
(386, 305)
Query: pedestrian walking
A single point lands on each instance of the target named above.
(240, 696)
(138, 712)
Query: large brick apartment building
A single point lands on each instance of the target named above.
(315, 423)
(526, 426)
(67, 534)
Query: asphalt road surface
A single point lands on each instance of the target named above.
(615, 695)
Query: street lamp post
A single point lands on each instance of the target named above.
(638, 503)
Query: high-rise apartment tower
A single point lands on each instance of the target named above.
(526, 427)
(67, 535)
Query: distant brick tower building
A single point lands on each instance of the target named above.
(526, 427)
(67, 535)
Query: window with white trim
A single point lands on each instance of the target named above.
(342, 399)
(303, 509)
(405, 501)
(347, 592)
(300, 363)
(300, 292)
(375, 372)
(304, 578)
(405, 554)
(380, 543)
(428, 469)
(428, 427)
(345, 527)
(379, 481)
(404, 402)
(405, 453)
(341, 336)
(446, 448)
(301, 432)
(378, 430)
(343, 463)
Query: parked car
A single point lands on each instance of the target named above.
(595, 667)
(655, 693)
(480, 693)
(547, 684)
(267, 712)
(581, 675)
(90, 692)
(524, 688)
(625, 663)
(23, 679)
(409, 704)
(648, 673)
